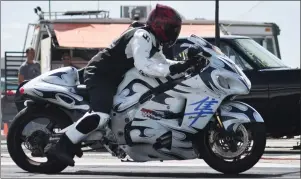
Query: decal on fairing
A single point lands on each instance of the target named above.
(159, 114)
(161, 99)
(207, 79)
(203, 108)
(151, 114)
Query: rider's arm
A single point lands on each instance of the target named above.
(165, 60)
(141, 45)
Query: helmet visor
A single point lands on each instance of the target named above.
(172, 33)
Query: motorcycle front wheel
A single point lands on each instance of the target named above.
(237, 153)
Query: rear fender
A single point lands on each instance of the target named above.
(233, 113)
(32, 106)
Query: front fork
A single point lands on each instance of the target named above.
(227, 135)
(217, 117)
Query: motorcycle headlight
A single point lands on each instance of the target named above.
(243, 76)
(223, 82)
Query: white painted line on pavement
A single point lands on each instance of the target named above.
(101, 164)
(85, 154)
(53, 176)
(106, 154)
(199, 163)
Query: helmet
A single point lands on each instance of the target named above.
(165, 23)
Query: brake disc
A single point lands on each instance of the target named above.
(221, 147)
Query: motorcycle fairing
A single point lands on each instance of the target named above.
(233, 113)
(59, 87)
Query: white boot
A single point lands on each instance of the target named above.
(82, 128)
(68, 143)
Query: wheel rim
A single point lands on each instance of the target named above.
(220, 145)
(32, 140)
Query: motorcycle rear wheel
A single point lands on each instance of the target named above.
(14, 141)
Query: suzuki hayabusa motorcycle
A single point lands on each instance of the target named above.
(192, 116)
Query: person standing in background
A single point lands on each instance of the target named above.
(27, 71)
(66, 60)
(30, 68)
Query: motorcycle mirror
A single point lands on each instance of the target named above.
(232, 57)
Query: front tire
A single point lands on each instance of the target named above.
(14, 140)
(258, 132)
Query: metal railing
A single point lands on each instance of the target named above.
(12, 63)
(70, 14)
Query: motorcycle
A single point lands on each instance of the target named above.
(189, 116)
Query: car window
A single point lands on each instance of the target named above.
(266, 43)
(235, 57)
(259, 41)
(258, 54)
(177, 53)
(270, 45)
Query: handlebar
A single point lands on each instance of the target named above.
(197, 65)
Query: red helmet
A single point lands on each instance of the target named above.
(165, 23)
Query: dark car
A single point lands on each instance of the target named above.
(275, 91)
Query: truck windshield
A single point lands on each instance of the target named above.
(258, 54)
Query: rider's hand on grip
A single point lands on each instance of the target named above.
(199, 55)
(181, 67)
(195, 52)
(196, 55)
(189, 71)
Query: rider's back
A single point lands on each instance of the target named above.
(114, 61)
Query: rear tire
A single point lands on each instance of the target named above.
(14, 139)
(236, 167)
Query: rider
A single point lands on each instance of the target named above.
(139, 47)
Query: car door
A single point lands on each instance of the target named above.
(284, 97)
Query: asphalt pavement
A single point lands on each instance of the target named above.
(285, 164)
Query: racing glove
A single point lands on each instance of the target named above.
(180, 67)
(198, 54)
(195, 51)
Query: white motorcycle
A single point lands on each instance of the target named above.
(153, 119)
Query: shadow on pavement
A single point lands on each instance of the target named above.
(181, 175)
